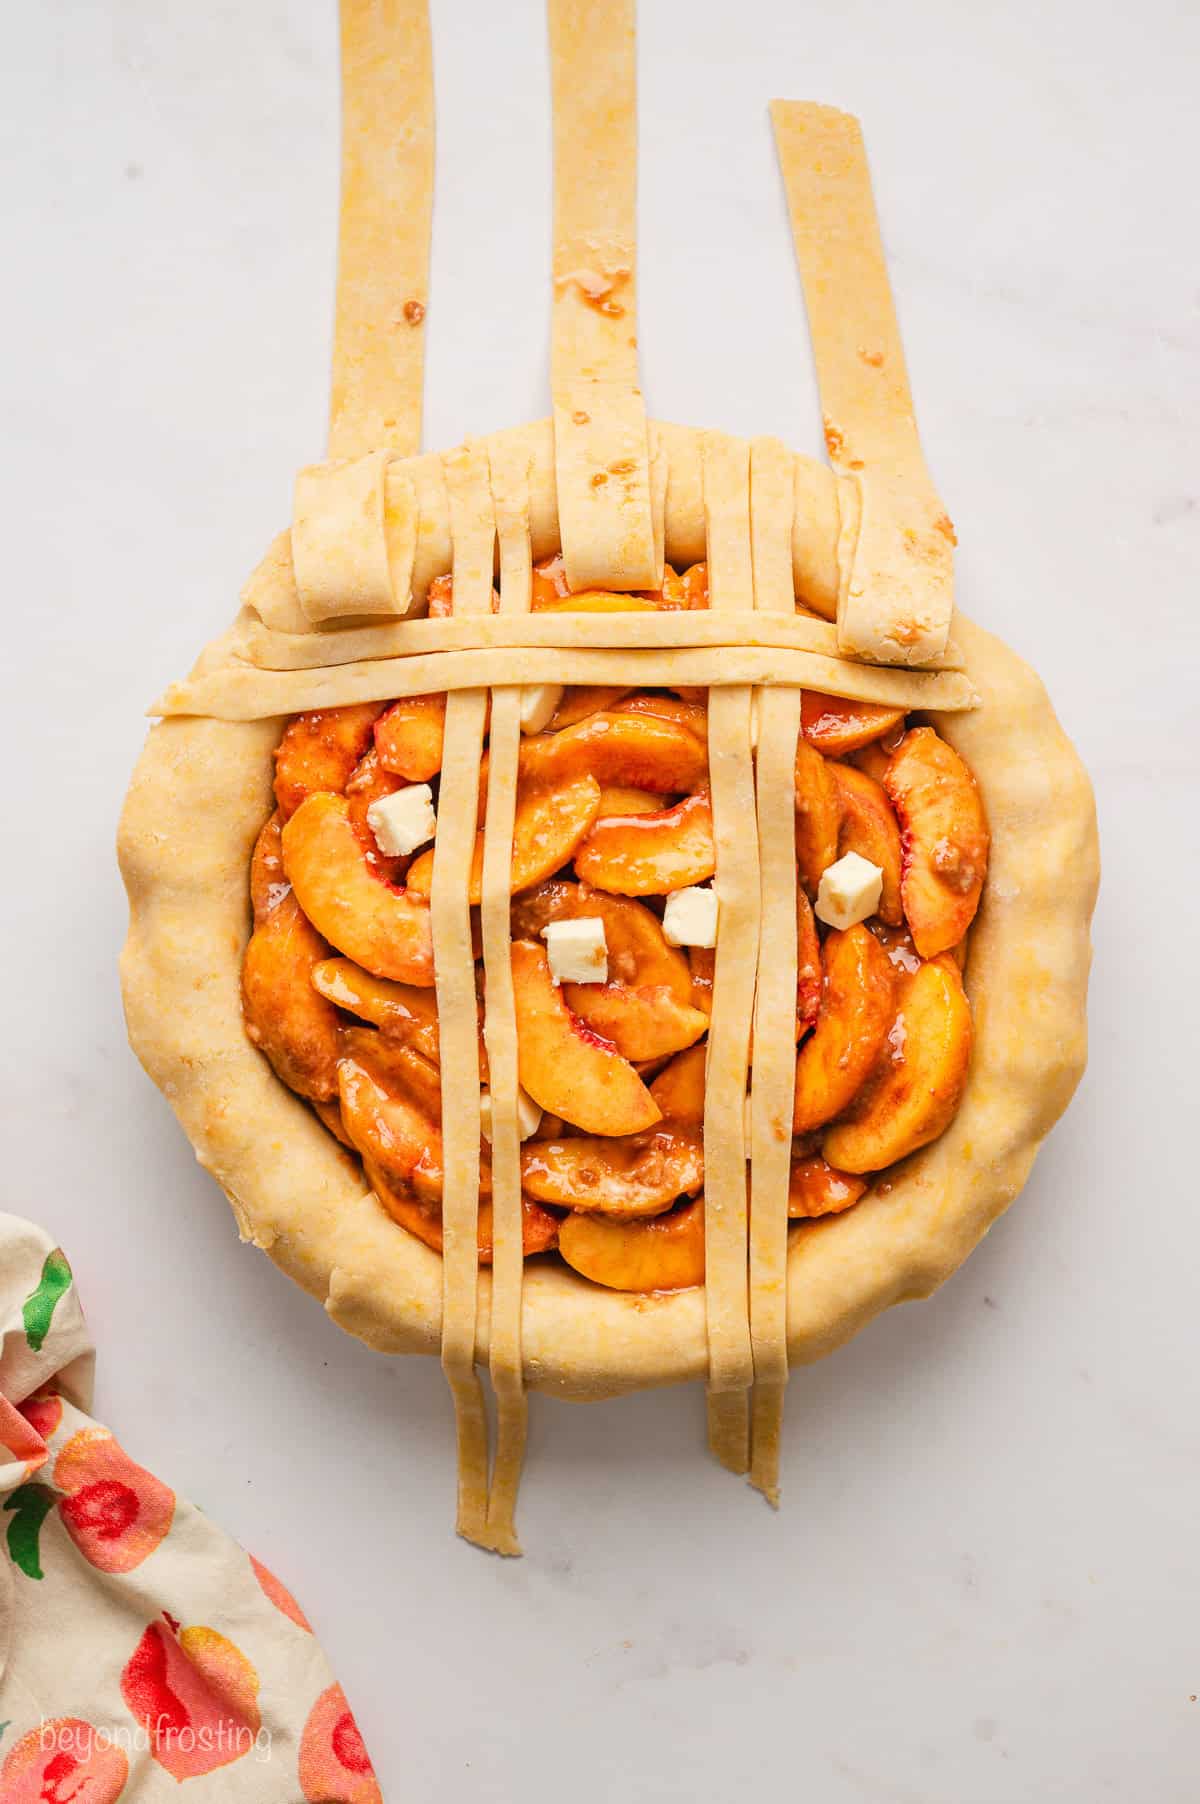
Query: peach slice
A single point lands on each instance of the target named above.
(818, 816)
(644, 1008)
(368, 783)
(641, 1175)
(591, 601)
(566, 1067)
(423, 1217)
(439, 598)
(650, 854)
(666, 1252)
(318, 752)
(637, 751)
(644, 1023)
(856, 1012)
(293, 1026)
(580, 701)
(408, 738)
(915, 1092)
(944, 839)
(400, 1009)
(268, 880)
(549, 581)
(815, 1188)
(897, 943)
(692, 715)
(627, 801)
(638, 953)
(679, 1088)
(810, 979)
(380, 927)
(836, 726)
(702, 963)
(688, 591)
(550, 822)
(869, 827)
(873, 759)
(388, 1128)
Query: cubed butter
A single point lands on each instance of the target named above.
(849, 891)
(528, 1114)
(577, 950)
(690, 917)
(538, 702)
(403, 821)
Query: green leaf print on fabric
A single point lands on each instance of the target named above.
(41, 1303)
(30, 1505)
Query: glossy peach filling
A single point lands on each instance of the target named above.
(613, 814)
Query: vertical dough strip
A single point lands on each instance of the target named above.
(731, 586)
(773, 1076)
(605, 507)
(472, 525)
(510, 492)
(384, 231)
(896, 560)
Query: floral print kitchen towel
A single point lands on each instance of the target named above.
(141, 1648)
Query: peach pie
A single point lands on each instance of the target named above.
(601, 912)
(613, 851)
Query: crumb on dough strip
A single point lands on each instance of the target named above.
(897, 561)
(731, 586)
(510, 493)
(384, 232)
(773, 1075)
(474, 538)
(605, 504)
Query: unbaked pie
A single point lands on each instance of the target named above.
(601, 913)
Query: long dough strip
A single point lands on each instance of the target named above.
(474, 537)
(572, 631)
(601, 434)
(816, 522)
(773, 1076)
(238, 692)
(897, 565)
(731, 586)
(510, 493)
(386, 215)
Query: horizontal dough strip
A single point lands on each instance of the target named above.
(238, 692)
(620, 631)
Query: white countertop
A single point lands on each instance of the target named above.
(982, 1583)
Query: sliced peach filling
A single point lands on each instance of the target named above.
(612, 814)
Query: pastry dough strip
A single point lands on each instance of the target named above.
(601, 433)
(579, 630)
(896, 588)
(239, 692)
(384, 231)
(774, 1070)
(731, 774)
(510, 494)
(474, 537)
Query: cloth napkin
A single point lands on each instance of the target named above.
(141, 1648)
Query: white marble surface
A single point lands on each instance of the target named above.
(982, 1584)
